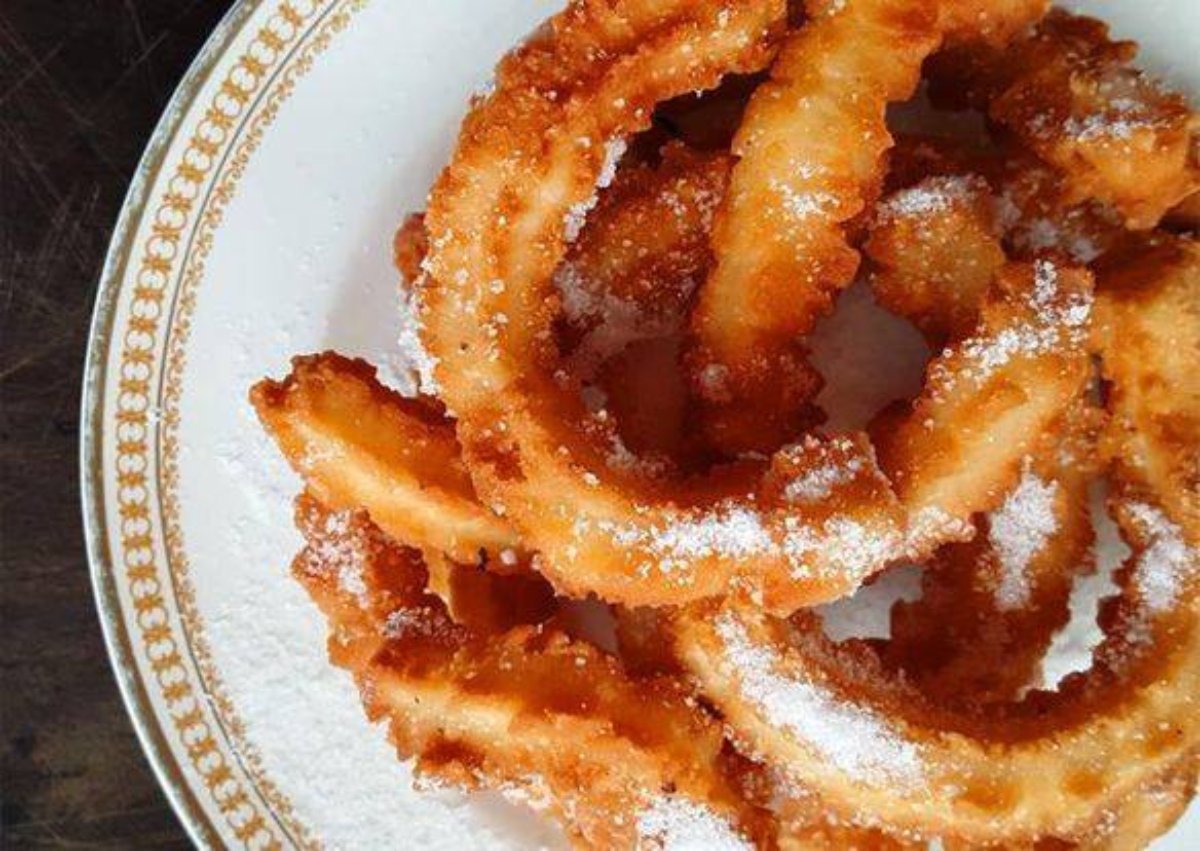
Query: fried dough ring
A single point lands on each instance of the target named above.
(833, 840)
(619, 760)
(513, 446)
(624, 286)
(957, 448)
(990, 607)
(1068, 93)
(530, 711)
(811, 157)
(1055, 763)
(1048, 767)
(623, 533)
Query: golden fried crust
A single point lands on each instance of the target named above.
(1147, 332)
(990, 22)
(1033, 206)
(1054, 764)
(1068, 93)
(987, 399)
(625, 284)
(990, 607)
(1129, 825)
(531, 711)
(409, 246)
(644, 641)
(646, 241)
(600, 523)
(918, 156)
(356, 443)
(1148, 813)
(599, 526)
(810, 157)
(552, 275)
(1050, 766)
(934, 248)
(492, 597)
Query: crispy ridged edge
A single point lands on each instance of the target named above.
(531, 711)
(811, 158)
(356, 443)
(1069, 93)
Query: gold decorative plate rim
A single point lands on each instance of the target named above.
(114, 283)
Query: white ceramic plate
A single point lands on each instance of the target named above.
(259, 227)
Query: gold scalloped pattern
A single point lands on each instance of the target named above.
(164, 642)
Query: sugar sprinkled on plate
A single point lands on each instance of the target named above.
(868, 612)
(412, 352)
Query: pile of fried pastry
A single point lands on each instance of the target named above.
(584, 565)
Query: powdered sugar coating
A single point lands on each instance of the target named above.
(1166, 563)
(932, 195)
(736, 531)
(575, 217)
(830, 547)
(935, 524)
(852, 739)
(1018, 531)
(341, 553)
(801, 205)
(672, 823)
(1057, 323)
(858, 547)
(821, 480)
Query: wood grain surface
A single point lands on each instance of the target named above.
(82, 83)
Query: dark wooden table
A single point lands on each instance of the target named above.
(82, 83)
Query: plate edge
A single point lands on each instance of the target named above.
(157, 751)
